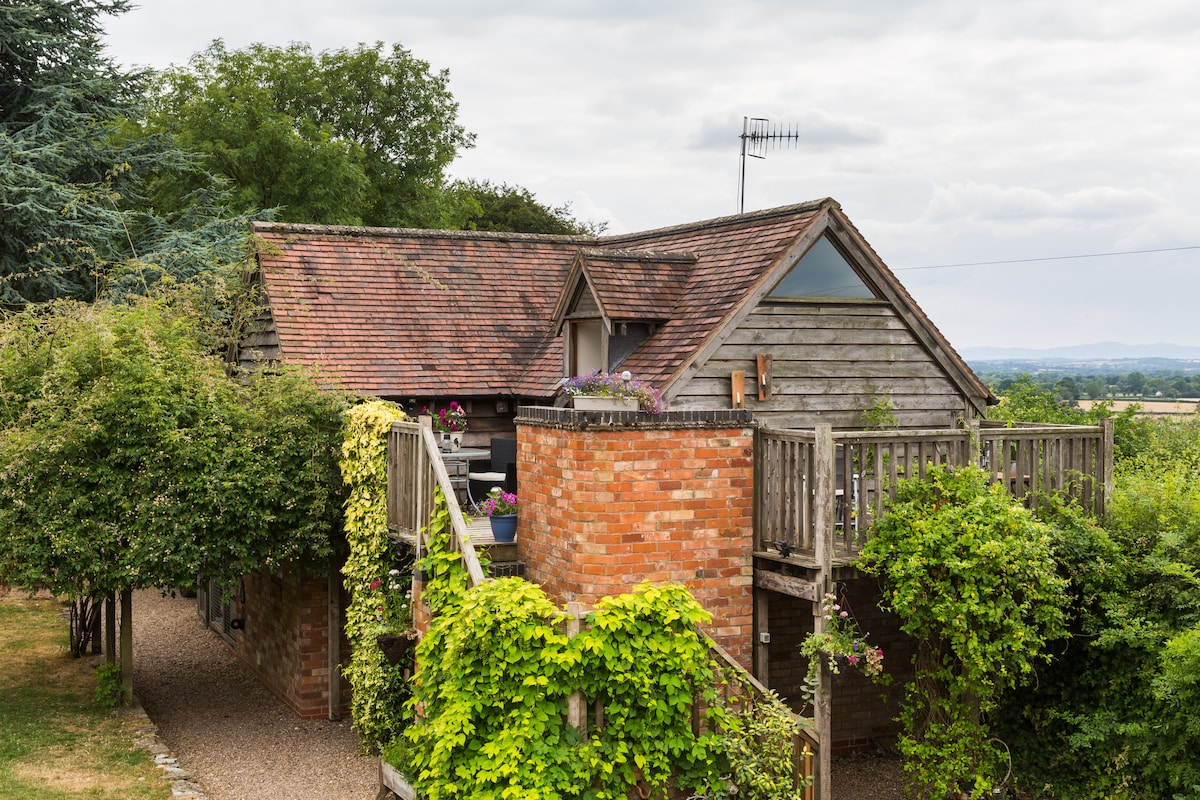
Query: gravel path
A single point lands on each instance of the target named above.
(876, 777)
(230, 732)
(243, 744)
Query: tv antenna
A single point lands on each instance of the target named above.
(758, 135)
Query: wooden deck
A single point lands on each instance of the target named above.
(480, 533)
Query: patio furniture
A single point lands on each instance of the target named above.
(503, 472)
(458, 467)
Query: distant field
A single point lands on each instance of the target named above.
(1153, 408)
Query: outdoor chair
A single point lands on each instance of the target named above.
(503, 472)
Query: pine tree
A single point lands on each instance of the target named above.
(75, 171)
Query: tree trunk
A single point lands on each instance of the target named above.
(110, 629)
(95, 622)
(127, 647)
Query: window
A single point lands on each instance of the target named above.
(822, 272)
(625, 338)
(219, 605)
(587, 346)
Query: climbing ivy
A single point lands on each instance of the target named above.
(644, 659)
(496, 672)
(446, 578)
(379, 688)
(971, 575)
(492, 688)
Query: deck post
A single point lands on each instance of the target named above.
(761, 643)
(974, 453)
(576, 707)
(823, 513)
(1105, 467)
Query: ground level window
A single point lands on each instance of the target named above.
(220, 606)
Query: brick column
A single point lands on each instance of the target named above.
(611, 499)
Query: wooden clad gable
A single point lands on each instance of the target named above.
(830, 362)
(831, 359)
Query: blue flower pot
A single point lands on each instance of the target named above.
(504, 527)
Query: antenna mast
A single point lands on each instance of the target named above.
(757, 135)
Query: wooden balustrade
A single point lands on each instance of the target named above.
(415, 468)
(1030, 460)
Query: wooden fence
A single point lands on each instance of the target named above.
(866, 467)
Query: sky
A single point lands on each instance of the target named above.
(1047, 135)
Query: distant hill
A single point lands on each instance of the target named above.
(1100, 351)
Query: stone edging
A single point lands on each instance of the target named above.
(184, 785)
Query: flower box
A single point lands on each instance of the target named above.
(598, 402)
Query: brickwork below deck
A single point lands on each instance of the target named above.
(612, 499)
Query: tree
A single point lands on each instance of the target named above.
(341, 137)
(501, 207)
(970, 572)
(129, 460)
(1114, 714)
(1025, 401)
(1133, 383)
(74, 176)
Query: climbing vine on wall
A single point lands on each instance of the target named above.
(971, 575)
(379, 688)
(496, 672)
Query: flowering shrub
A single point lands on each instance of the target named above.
(497, 503)
(840, 645)
(606, 384)
(378, 688)
(393, 596)
(452, 419)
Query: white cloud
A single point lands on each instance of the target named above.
(950, 130)
(1001, 207)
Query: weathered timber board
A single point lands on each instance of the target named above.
(785, 584)
(914, 385)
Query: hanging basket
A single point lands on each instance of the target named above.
(398, 649)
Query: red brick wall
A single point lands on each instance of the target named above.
(603, 509)
(286, 638)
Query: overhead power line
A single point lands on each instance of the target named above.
(1050, 258)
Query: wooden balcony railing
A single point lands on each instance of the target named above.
(863, 468)
(415, 468)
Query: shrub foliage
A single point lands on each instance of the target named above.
(970, 573)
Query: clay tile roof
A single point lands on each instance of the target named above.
(397, 312)
(394, 312)
(732, 255)
(633, 284)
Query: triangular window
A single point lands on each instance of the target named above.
(823, 272)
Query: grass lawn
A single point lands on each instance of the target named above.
(56, 743)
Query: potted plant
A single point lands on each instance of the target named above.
(500, 507)
(451, 423)
(605, 391)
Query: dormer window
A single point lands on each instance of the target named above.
(612, 302)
